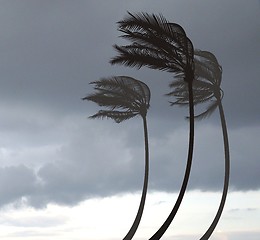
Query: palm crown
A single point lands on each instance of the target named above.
(206, 84)
(157, 44)
(125, 97)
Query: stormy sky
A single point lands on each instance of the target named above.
(50, 152)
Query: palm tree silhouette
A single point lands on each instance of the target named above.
(162, 45)
(125, 97)
(206, 87)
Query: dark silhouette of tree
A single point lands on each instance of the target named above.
(161, 45)
(206, 87)
(125, 97)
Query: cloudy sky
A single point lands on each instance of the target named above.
(63, 175)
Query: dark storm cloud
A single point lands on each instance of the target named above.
(51, 50)
(98, 161)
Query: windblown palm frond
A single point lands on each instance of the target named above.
(125, 97)
(156, 43)
(206, 84)
(117, 116)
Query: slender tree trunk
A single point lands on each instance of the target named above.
(138, 217)
(168, 221)
(214, 223)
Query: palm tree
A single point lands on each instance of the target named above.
(125, 97)
(162, 45)
(206, 87)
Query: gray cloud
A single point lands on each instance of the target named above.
(99, 160)
(16, 182)
(51, 152)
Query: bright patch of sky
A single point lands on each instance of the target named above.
(110, 218)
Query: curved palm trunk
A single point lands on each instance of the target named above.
(214, 223)
(139, 214)
(168, 221)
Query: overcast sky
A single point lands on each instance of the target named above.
(51, 153)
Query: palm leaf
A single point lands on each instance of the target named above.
(125, 87)
(201, 92)
(117, 116)
(155, 26)
(209, 110)
(139, 56)
(207, 67)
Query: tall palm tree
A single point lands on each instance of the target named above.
(206, 87)
(125, 97)
(162, 45)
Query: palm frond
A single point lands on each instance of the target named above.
(117, 116)
(124, 85)
(207, 113)
(139, 56)
(206, 56)
(120, 89)
(111, 102)
(201, 92)
(154, 25)
(207, 67)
